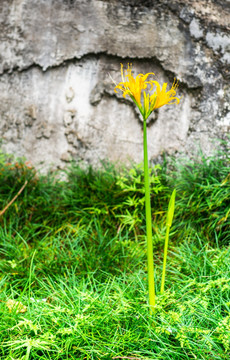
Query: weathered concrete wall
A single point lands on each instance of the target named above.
(56, 95)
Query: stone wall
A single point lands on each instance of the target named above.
(57, 58)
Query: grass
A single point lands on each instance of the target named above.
(73, 263)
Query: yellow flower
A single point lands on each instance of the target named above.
(146, 103)
(133, 86)
(161, 97)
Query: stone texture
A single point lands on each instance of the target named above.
(58, 57)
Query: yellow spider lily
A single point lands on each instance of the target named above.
(161, 97)
(133, 86)
(148, 100)
(146, 103)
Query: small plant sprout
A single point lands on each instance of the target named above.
(148, 95)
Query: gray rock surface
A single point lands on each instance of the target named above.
(57, 58)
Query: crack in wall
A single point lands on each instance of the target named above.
(171, 75)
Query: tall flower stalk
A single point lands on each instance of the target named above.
(148, 95)
(151, 283)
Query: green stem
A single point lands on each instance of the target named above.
(148, 224)
(165, 258)
(169, 220)
(30, 277)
